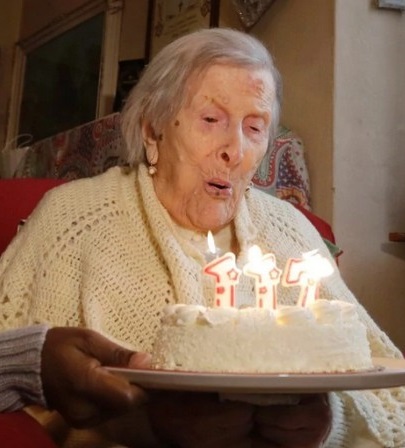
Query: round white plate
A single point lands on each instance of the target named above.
(387, 373)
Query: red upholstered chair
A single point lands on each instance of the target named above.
(18, 197)
(324, 229)
(20, 430)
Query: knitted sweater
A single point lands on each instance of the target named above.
(102, 252)
(20, 365)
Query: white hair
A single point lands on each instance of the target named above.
(160, 93)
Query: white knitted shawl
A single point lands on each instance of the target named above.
(102, 252)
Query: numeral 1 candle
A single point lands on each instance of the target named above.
(226, 275)
(267, 276)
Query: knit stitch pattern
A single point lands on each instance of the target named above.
(20, 359)
(103, 253)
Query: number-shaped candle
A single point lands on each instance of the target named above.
(226, 276)
(307, 272)
(267, 276)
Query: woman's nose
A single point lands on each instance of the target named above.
(232, 151)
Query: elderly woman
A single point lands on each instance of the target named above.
(111, 251)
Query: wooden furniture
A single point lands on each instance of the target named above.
(397, 237)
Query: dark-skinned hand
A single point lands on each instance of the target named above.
(303, 425)
(199, 420)
(76, 382)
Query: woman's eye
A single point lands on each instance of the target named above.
(210, 119)
(255, 129)
(257, 126)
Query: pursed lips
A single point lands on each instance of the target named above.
(218, 188)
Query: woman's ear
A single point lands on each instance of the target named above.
(150, 143)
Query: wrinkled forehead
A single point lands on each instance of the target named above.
(259, 81)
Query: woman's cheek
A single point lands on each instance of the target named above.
(206, 142)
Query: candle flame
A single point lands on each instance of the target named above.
(317, 266)
(211, 242)
(311, 253)
(255, 254)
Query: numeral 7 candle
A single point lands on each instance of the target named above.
(306, 272)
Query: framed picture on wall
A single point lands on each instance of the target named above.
(170, 19)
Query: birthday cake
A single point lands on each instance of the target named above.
(325, 336)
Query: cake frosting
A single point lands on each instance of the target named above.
(326, 336)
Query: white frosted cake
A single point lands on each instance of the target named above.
(326, 336)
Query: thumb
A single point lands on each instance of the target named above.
(139, 360)
(118, 356)
(109, 353)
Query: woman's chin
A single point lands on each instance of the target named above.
(212, 223)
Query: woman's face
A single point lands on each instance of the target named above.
(208, 154)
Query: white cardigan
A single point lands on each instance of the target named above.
(102, 252)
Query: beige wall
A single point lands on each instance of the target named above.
(133, 33)
(300, 35)
(37, 14)
(369, 157)
(134, 26)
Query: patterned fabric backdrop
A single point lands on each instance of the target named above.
(90, 149)
(283, 171)
(83, 151)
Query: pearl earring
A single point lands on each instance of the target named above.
(152, 170)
